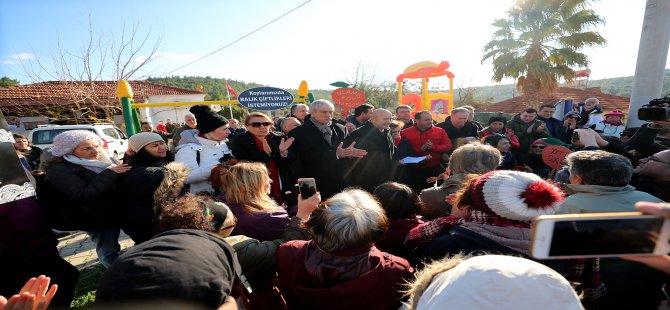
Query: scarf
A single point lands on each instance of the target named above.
(428, 231)
(325, 129)
(96, 166)
(272, 169)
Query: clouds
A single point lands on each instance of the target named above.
(16, 58)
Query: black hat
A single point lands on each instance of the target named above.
(501, 119)
(207, 119)
(193, 267)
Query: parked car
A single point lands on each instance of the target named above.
(115, 141)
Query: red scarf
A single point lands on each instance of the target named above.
(273, 170)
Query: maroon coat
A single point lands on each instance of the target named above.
(363, 278)
(394, 239)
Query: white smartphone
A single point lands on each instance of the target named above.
(599, 235)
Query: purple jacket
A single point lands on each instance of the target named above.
(262, 226)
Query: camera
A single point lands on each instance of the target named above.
(657, 110)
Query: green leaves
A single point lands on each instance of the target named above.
(538, 42)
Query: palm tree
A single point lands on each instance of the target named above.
(538, 44)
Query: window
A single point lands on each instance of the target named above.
(47, 136)
(110, 132)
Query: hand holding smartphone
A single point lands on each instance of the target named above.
(307, 187)
(599, 235)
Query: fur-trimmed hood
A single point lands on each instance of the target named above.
(174, 179)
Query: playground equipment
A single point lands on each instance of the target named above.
(131, 114)
(439, 104)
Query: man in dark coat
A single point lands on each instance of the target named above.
(378, 166)
(458, 126)
(318, 146)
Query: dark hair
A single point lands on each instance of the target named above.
(396, 123)
(420, 113)
(363, 108)
(398, 200)
(600, 168)
(530, 110)
(145, 123)
(494, 139)
(400, 107)
(142, 158)
(551, 106)
(18, 136)
(501, 119)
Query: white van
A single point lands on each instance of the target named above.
(115, 141)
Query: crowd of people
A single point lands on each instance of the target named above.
(408, 212)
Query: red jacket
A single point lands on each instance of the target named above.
(363, 278)
(436, 135)
(513, 140)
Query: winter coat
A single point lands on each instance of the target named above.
(554, 127)
(81, 198)
(394, 239)
(595, 116)
(176, 134)
(139, 185)
(598, 198)
(609, 130)
(375, 168)
(259, 258)
(468, 130)
(28, 248)
(525, 138)
(318, 158)
(513, 139)
(245, 148)
(433, 198)
(417, 138)
(364, 278)
(264, 225)
(200, 155)
(643, 141)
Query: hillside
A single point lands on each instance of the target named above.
(620, 86)
(216, 88)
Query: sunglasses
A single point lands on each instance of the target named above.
(259, 124)
(538, 146)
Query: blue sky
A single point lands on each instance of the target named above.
(321, 42)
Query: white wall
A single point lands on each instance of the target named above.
(176, 114)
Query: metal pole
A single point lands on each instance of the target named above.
(651, 58)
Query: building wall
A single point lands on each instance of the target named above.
(176, 114)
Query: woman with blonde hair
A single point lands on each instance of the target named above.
(245, 188)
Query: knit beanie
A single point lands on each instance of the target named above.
(615, 113)
(140, 140)
(207, 119)
(65, 142)
(572, 113)
(515, 195)
(501, 119)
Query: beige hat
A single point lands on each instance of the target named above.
(140, 140)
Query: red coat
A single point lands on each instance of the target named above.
(364, 278)
(161, 127)
(436, 135)
(513, 140)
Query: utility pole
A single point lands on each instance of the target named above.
(651, 58)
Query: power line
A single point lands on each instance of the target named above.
(240, 38)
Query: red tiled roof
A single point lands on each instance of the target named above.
(517, 104)
(63, 90)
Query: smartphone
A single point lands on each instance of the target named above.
(599, 235)
(575, 136)
(307, 187)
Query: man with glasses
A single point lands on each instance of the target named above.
(652, 175)
(318, 146)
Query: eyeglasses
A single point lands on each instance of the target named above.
(538, 146)
(259, 124)
(652, 158)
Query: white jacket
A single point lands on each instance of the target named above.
(210, 153)
(610, 130)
